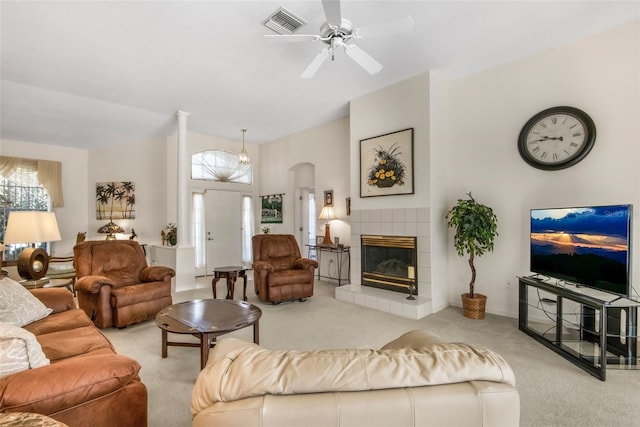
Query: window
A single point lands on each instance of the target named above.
(220, 166)
(247, 230)
(20, 191)
(198, 229)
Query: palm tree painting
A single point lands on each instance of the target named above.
(115, 200)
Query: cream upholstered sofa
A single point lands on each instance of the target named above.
(415, 380)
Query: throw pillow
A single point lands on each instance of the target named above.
(19, 350)
(18, 306)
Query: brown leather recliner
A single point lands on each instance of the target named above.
(115, 286)
(280, 273)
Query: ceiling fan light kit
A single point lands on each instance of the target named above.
(340, 36)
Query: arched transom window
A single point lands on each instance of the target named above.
(221, 166)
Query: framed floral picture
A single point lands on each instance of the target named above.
(386, 164)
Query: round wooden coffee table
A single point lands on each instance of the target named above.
(206, 319)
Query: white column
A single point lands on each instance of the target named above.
(183, 252)
(183, 203)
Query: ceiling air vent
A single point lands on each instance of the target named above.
(284, 22)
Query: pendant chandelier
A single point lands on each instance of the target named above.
(243, 157)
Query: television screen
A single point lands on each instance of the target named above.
(587, 245)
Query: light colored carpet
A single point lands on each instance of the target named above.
(553, 392)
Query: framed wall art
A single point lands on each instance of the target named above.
(386, 164)
(115, 200)
(328, 198)
(271, 212)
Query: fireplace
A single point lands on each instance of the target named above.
(389, 262)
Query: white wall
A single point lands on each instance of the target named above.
(143, 163)
(397, 107)
(72, 218)
(439, 154)
(327, 148)
(600, 75)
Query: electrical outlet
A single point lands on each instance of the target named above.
(508, 284)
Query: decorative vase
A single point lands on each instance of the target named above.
(386, 183)
(473, 308)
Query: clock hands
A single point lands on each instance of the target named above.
(548, 138)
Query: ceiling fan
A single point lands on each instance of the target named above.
(338, 32)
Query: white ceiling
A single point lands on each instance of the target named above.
(93, 73)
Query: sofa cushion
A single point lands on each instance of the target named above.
(142, 292)
(18, 306)
(70, 383)
(19, 350)
(74, 342)
(237, 369)
(413, 339)
(62, 321)
(120, 263)
(290, 277)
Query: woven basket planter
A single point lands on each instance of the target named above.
(473, 308)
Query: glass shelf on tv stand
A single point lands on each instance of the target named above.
(568, 320)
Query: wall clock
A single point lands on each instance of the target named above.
(557, 138)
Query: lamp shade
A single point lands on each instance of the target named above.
(110, 227)
(31, 227)
(327, 213)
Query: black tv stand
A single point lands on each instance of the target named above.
(591, 328)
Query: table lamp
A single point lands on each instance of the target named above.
(110, 229)
(32, 227)
(327, 213)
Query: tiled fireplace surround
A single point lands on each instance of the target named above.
(391, 222)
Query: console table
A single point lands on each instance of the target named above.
(342, 253)
(591, 328)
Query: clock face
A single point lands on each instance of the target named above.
(557, 138)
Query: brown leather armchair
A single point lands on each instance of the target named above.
(115, 286)
(279, 271)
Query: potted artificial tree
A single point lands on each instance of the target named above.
(476, 226)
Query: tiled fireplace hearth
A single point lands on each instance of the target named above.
(413, 223)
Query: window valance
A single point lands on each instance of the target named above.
(49, 174)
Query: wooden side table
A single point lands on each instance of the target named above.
(231, 273)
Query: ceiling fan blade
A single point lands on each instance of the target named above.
(315, 64)
(332, 11)
(292, 37)
(399, 25)
(363, 59)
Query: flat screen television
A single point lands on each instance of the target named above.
(587, 246)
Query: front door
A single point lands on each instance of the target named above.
(223, 228)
